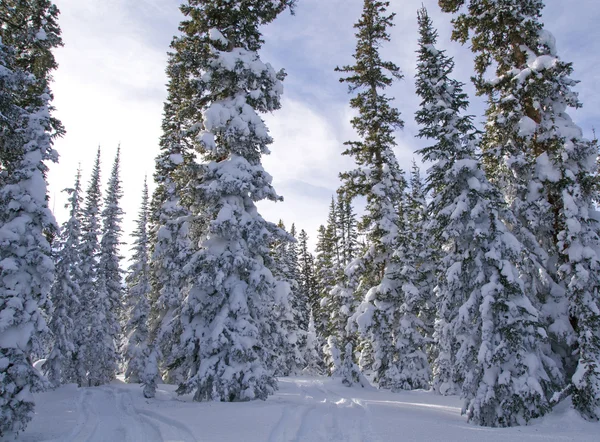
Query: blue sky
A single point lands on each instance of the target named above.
(110, 88)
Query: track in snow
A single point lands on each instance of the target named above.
(108, 414)
(322, 415)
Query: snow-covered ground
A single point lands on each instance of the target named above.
(304, 409)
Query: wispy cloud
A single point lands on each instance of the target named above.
(110, 88)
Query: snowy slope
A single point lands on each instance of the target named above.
(304, 409)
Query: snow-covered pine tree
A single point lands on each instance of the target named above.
(426, 251)
(539, 156)
(334, 305)
(27, 129)
(378, 178)
(311, 352)
(409, 365)
(325, 277)
(228, 329)
(299, 303)
(170, 219)
(135, 348)
(309, 294)
(109, 283)
(489, 333)
(347, 228)
(306, 274)
(91, 315)
(289, 359)
(65, 293)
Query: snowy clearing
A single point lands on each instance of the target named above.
(304, 409)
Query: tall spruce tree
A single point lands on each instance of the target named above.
(347, 229)
(91, 315)
(170, 218)
(28, 35)
(66, 292)
(109, 283)
(228, 329)
(299, 303)
(336, 296)
(489, 333)
(289, 359)
(378, 178)
(137, 305)
(540, 158)
(309, 295)
(306, 274)
(409, 362)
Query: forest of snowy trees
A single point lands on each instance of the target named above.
(478, 277)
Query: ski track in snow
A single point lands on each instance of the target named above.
(170, 429)
(323, 416)
(107, 414)
(304, 410)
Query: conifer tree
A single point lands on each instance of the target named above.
(170, 218)
(377, 177)
(422, 254)
(137, 304)
(27, 129)
(539, 156)
(489, 334)
(228, 328)
(409, 365)
(289, 358)
(306, 277)
(299, 303)
(109, 285)
(325, 276)
(346, 220)
(91, 316)
(311, 354)
(65, 293)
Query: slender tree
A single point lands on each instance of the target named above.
(311, 354)
(109, 283)
(378, 178)
(91, 315)
(289, 359)
(136, 350)
(170, 218)
(66, 292)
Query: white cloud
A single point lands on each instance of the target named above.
(110, 88)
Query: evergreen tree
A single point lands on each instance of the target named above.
(336, 297)
(228, 328)
(422, 254)
(489, 334)
(170, 218)
(309, 296)
(410, 362)
(91, 317)
(346, 220)
(109, 285)
(289, 358)
(137, 304)
(65, 293)
(377, 177)
(306, 277)
(325, 276)
(299, 303)
(311, 354)
(27, 130)
(539, 156)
